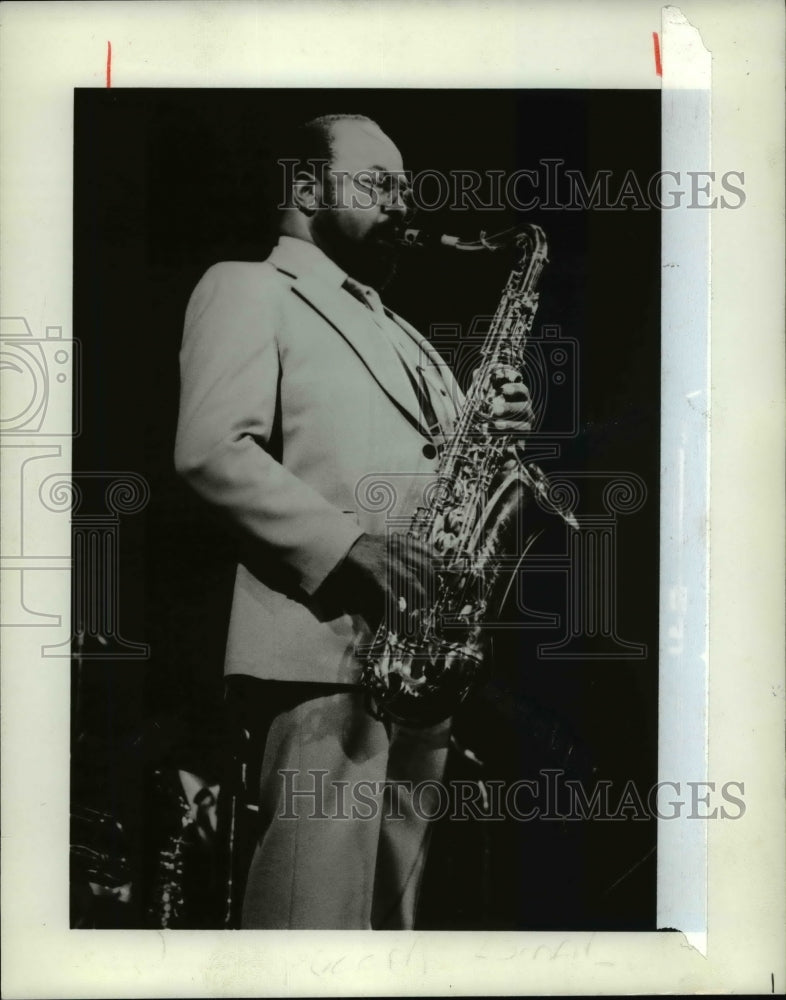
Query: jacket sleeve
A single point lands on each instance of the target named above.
(229, 364)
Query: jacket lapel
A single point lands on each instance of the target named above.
(434, 367)
(347, 318)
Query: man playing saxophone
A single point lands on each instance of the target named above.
(299, 389)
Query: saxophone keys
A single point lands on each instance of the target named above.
(455, 521)
(453, 658)
(444, 542)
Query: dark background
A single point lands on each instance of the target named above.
(168, 182)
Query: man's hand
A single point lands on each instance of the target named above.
(384, 578)
(511, 403)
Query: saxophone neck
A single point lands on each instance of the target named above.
(527, 236)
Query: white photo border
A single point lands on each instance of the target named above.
(732, 918)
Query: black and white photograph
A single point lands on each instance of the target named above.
(360, 506)
(385, 649)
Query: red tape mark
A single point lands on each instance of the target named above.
(656, 45)
(109, 64)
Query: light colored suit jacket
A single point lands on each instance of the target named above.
(300, 423)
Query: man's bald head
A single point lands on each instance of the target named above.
(314, 140)
(347, 194)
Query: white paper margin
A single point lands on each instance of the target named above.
(49, 48)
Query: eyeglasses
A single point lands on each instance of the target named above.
(386, 187)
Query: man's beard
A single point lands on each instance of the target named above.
(372, 263)
(371, 260)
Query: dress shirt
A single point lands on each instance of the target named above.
(427, 385)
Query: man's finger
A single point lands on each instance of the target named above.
(505, 374)
(508, 410)
(519, 426)
(515, 390)
(411, 552)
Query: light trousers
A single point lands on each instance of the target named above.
(345, 811)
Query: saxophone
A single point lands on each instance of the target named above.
(417, 672)
(166, 906)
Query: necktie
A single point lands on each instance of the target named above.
(372, 301)
(364, 294)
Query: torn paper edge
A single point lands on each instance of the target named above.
(684, 485)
